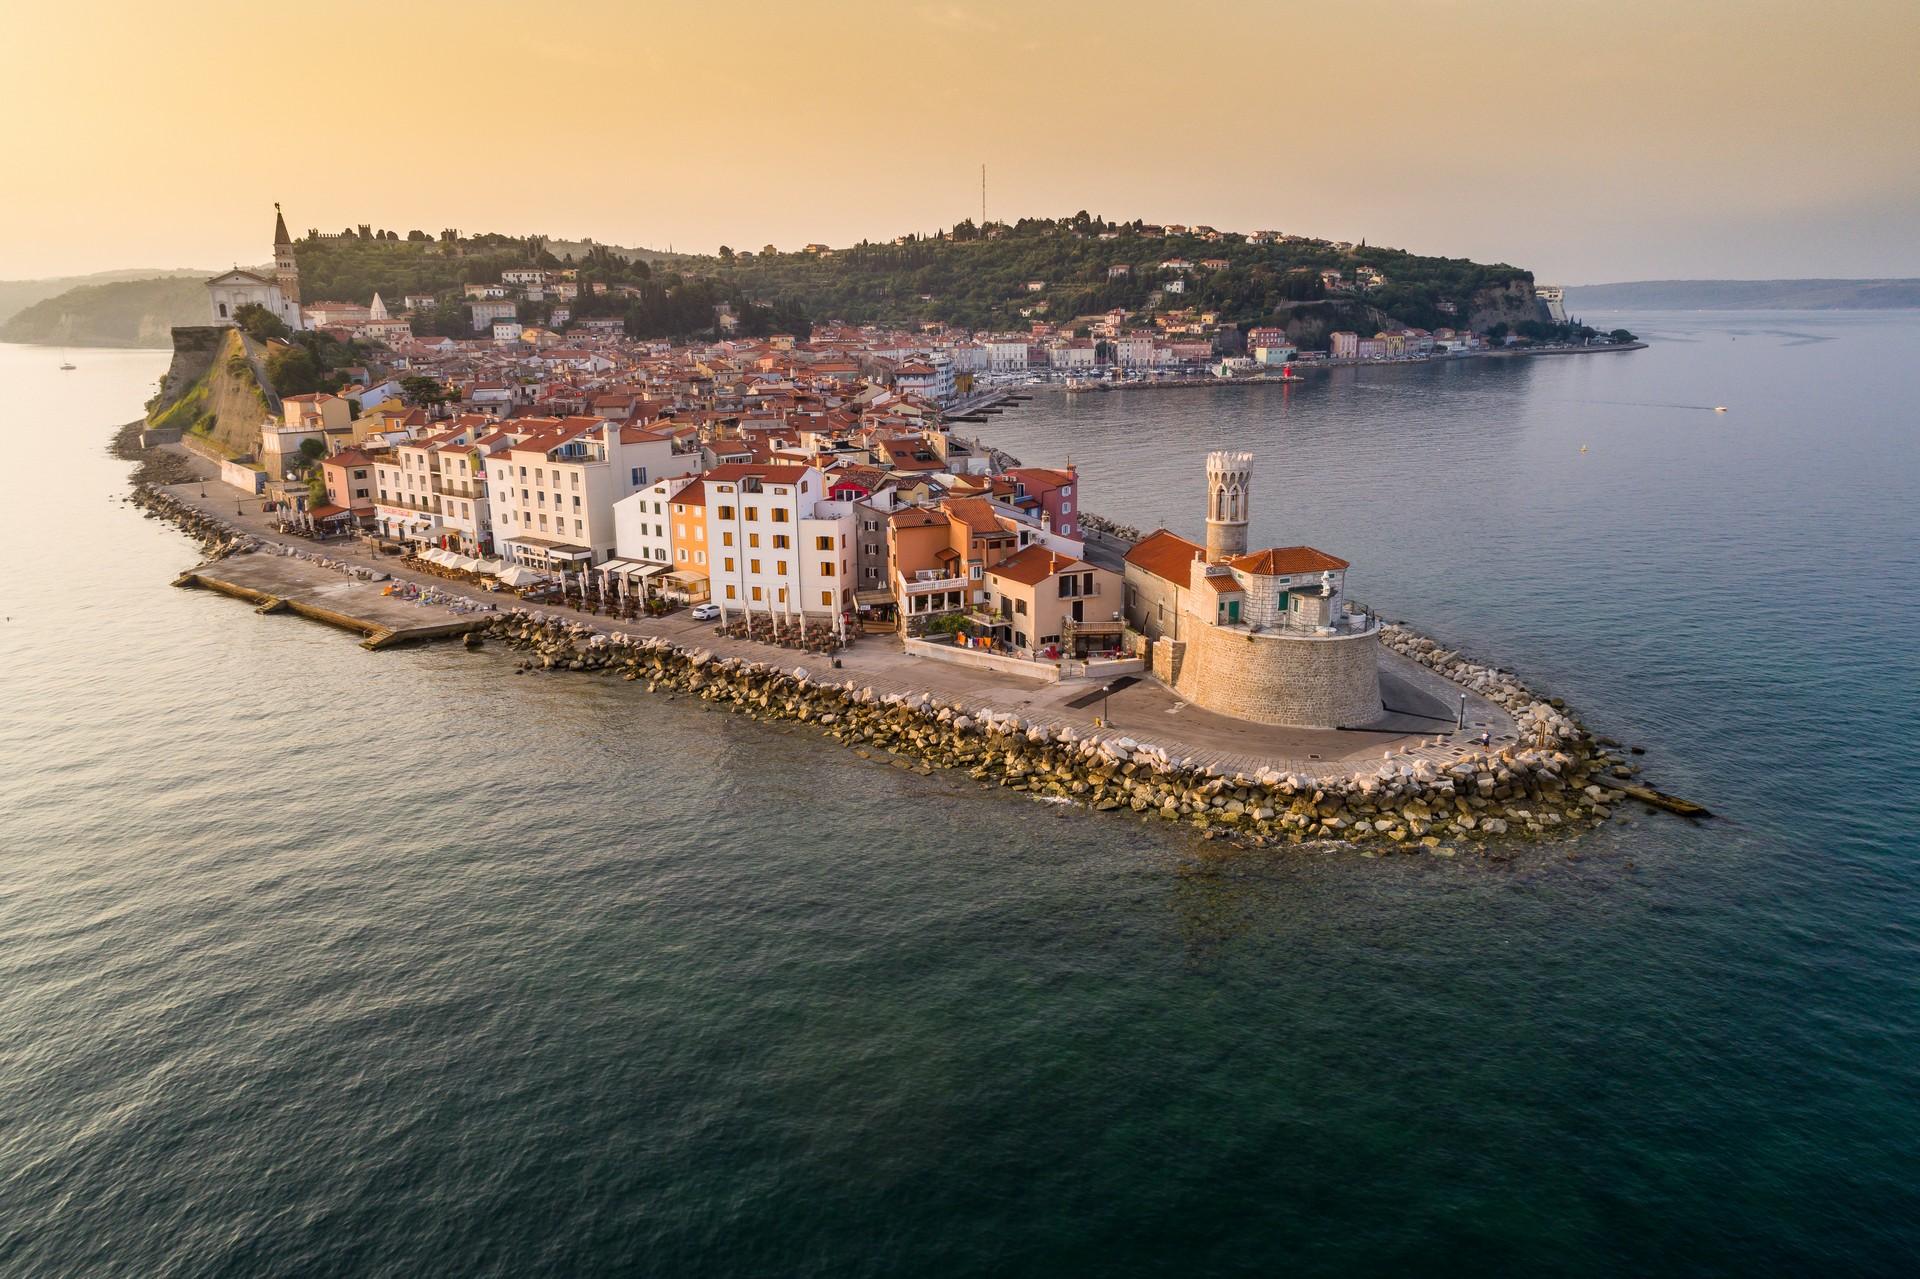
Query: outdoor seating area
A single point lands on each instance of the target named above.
(808, 634)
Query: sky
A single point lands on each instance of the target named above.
(1587, 142)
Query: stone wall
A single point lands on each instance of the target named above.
(1295, 680)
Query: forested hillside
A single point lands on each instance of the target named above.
(984, 281)
(127, 313)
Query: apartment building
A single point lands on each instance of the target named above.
(553, 489)
(776, 542)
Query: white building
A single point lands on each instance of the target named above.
(930, 378)
(552, 491)
(643, 524)
(776, 543)
(280, 295)
(1007, 356)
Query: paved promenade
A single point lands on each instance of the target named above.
(1145, 711)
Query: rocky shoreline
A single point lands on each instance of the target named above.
(1557, 783)
(1557, 780)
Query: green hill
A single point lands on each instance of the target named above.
(17, 295)
(965, 277)
(982, 281)
(124, 313)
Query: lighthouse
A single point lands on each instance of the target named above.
(1229, 499)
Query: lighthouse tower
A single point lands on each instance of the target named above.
(1229, 500)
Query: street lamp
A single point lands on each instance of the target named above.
(1461, 722)
(1105, 689)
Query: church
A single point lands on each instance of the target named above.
(231, 290)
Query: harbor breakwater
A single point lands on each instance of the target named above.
(1556, 782)
(1557, 779)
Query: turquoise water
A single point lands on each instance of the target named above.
(315, 961)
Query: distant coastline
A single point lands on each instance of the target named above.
(1746, 295)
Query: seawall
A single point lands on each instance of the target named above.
(1555, 780)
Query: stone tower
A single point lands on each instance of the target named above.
(286, 272)
(1229, 500)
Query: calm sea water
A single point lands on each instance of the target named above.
(315, 961)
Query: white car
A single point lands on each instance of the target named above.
(705, 612)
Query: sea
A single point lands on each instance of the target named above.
(315, 961)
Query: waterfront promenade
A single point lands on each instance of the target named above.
(1421, 727)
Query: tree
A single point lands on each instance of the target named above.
(1623, 335)
(259, 323)
(293, 370)
(423, 392)
(313, 450)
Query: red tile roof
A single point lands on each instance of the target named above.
(1280, 560)
(1166, 555)
(1032, 566)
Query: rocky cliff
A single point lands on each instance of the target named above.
(213, 390)
(1510, 304)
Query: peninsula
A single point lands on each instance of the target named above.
(791, 524)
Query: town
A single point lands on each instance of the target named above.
(601, 500)
(804, 492)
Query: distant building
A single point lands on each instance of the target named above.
(280, 295)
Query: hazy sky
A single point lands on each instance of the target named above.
(1602, 141)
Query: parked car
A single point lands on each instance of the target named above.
(705, 612)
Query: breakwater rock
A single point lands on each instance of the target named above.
(1554, 784)
(217, 538)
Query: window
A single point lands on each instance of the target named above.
(753, 539)
(781, 542)
(726, 537)
(823, 544)
(639, 476)
(756, 592)
(730, 594)
(728, 565)
(753, 566)
(726, 512)
(779, 515)
(826, 598)
(1020, 607)
(753, 512)
(826, 568)
(780, 567)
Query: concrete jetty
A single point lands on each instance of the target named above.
(282, 583)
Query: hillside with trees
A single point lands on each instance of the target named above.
(122, 313)
(639, 287)
(973, 279)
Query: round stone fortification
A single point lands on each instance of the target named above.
(1295, 680)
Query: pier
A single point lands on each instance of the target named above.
(284, 584)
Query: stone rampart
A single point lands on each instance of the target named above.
(1302, 681)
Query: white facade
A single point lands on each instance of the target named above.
(643, 524)
(776, 543)
(1006, 357)
(231, 290)
(552, 496)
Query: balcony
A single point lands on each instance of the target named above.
(468, 492)
(411, 503)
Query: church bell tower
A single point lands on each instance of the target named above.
(1229, 498)
(286, 272)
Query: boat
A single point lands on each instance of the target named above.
(1719, 408)
(68, 365)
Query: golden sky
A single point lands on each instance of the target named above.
(1621, 139)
